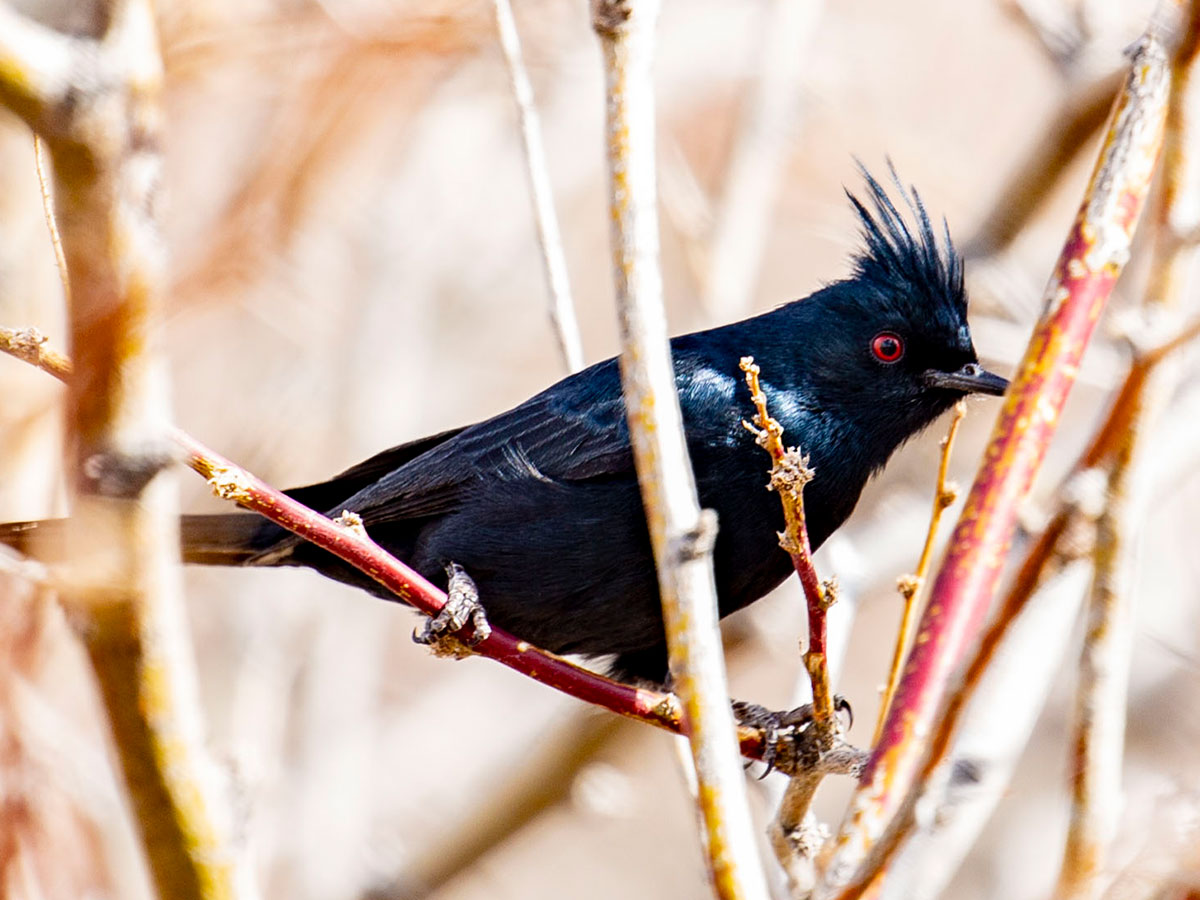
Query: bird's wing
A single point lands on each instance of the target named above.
(326, 494)
(574, 431)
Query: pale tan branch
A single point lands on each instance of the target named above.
(554, 260)
(97, 105)
(681, 533)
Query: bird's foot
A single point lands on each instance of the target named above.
(461, 624)
(787, 739)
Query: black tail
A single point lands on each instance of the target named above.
(227, 539)
(230, 539)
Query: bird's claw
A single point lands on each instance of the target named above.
(784, 732)
(444, 633)
(775, 725)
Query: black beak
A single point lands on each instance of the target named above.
(971, 378)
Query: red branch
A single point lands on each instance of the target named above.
(352, 545)
(1091, 260)
(789, 474)
(355, 547)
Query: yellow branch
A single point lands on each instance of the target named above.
(910, 585)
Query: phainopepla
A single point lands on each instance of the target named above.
(540, 505)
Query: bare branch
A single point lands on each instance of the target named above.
(60, 259)
(231, 482)
(96, 105)
(1100, 703)
(1099, 734)
(681, 533)
(975, 773)
(562, 307)
(796, 836)
(789, 474)
(1049, 551)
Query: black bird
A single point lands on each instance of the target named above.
(540, 504)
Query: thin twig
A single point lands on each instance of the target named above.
(795, 835)
(352, 544)
(789, 474)
(562, 307)
(1092, 258)
(909, 586)
(1099, 732)
(29, 345)
(681, 534)
(60, 259)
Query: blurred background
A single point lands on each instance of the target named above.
(355, 264)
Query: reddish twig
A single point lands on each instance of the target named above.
(796, 836)
(1099, 724)
(1091, 260)
(789, 474)
(352, 544)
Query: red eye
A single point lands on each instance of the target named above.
(887, 347)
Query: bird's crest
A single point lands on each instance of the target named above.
(912, 263)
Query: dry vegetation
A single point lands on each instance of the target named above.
(354, 262)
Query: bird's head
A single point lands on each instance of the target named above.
(894, 348)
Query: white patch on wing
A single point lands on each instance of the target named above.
(710, 381)
(782, 405)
